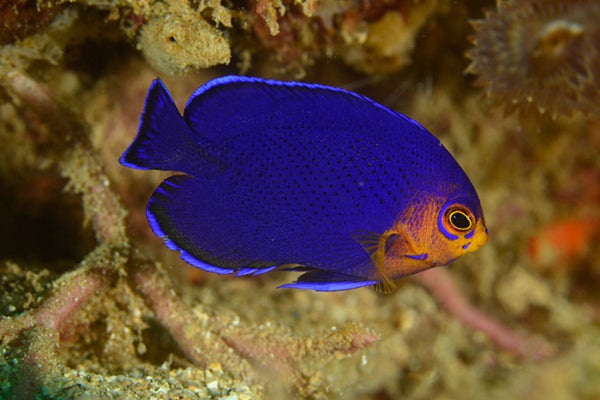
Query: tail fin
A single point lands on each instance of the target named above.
(164, 139)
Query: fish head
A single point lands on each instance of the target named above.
(439, 229)
(460, 229)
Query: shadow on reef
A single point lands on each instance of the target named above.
(35, 207)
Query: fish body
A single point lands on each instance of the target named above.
(302, 177)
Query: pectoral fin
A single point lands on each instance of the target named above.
(376, 245)
(384, 250)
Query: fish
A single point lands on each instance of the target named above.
(276, 175)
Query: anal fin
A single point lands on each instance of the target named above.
(326, 281)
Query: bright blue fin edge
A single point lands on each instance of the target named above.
(184, 255)
(254, 271)
(187, 257)
(312, 279)
(310, 284)
(233, 79)
(325, 281)
(327, 286)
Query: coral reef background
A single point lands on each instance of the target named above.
(93, 304)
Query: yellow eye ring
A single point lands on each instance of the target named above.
(459, 219)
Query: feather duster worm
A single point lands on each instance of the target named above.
(540, 56)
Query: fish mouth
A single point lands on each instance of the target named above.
(479, 239)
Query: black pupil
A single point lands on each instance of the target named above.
(460, 220)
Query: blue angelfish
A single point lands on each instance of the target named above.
(302, 177)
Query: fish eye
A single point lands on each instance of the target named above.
(458, 219)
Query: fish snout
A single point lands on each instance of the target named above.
(479, 238)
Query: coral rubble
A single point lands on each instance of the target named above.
(108, 311)
(176, 36)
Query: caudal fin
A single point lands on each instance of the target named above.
(164, 139)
